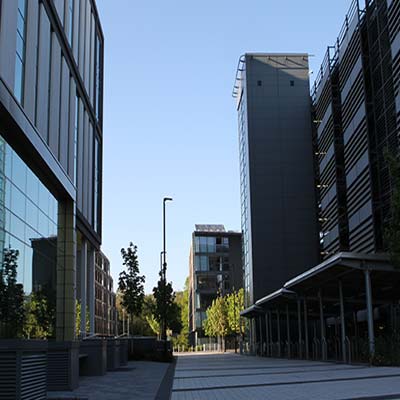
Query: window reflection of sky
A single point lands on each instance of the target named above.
(28, 215)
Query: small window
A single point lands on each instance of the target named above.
(259, 83)
(291, 83)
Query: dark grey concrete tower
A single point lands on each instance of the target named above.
(278, 202)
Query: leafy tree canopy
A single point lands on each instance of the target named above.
(131, 283)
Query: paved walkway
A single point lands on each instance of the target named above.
(140, 380)
(234, 377)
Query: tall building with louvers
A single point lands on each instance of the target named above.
(215, 268)
(51, 118)
(277, 181)
(356, 105)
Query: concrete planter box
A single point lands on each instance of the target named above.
(124, 351)
(113, 354)
(23, 372)
(62, 366)
(93, 357)
(141, 346)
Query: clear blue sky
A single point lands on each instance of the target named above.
(170, 124)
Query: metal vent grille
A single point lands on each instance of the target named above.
(33, 376)
(8, 372)
(57, 373)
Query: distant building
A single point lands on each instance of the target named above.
(215, 267)
(105, 307)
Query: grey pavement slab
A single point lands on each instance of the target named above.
(139, 380)
(230, 376)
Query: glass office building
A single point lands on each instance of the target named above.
(51, 96)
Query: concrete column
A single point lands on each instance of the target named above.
(91, 300)
(299, 327)
(278, 324)
(267, 334)
(306, 328)
(66, 271)
(288, 329)
(370, 313)
(83, 284)
(342, 322)
(322, 322)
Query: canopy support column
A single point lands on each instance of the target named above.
(278, 323)
(342, 322)
(322, 322)
(306, 328)
(288, 331)
(370, 313)
(267, 334)
(299, 327)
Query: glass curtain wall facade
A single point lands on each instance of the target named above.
(51, 84)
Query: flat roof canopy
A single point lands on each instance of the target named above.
(349, 268)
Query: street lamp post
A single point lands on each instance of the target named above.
(164, 275)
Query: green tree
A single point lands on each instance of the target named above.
(235, 304)
(182, 299)
(39, 316)
(165, 305)
(78, 317)
(131, 284)
(12, 310)
(216, 324)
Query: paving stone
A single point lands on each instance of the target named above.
(141, 380)
(231, 376)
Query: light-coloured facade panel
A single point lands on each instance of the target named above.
(82, 34)
(64, 115)
(88, 21)
(8, 40)
(31, 59)
(43, 74)
(54, 105)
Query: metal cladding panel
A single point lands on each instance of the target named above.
(54, 105)
(395, 46)
(43, 73)
(8, 41)
(90, 186)
(82, 30)
(87, 46)
(283, 205)
(92, 64)
(75, 39)
(80, 158)
(31, 59)
(85, 187)
(71, 130)
(64, 115)
(60, 9)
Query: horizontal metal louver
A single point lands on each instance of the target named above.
(57, 374)
(8, 372)
(33, 376)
